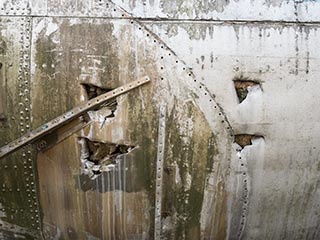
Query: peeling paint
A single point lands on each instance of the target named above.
(212, 188)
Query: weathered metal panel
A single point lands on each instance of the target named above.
(19, 200)
(282, 60)
(257, 10)
(308, 11)
(186, 176)
(23, 7)
(64, 57)
(85, 8)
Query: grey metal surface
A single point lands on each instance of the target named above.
(211, 187)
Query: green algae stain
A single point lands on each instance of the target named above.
(192, 150)
(142, 122)
(3, 46)
(46, 57)
(14, 169)
(77, 53)
(93, 48)
(46, 87)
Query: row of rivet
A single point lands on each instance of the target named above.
(244, 193)
(24, 109)
(22, 105)
(10, 9)
(159, 172)
(186, 69)
(20, 127)
(109, 5)
(201, 86)
(189, 73)
(25, 121)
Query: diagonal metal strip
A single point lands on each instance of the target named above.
(67, 117)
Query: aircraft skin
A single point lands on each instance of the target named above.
(221, 143)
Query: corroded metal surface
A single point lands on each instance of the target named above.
(19, 199)
(261, 184)
(159, 173)
(60, 121)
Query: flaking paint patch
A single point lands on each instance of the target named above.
(192, 9)
(142, 119)
(195, 31)
(191, 167)
(51, 28)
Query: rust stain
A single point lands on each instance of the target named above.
(245, 139)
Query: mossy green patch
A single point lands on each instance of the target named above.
(191, 145)
(3, 46)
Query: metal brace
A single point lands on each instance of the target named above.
(67, 117)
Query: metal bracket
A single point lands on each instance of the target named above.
(67, 117)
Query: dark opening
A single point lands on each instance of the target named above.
(93, 91)
(245, 139)
(241, 86)
(98, 157)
